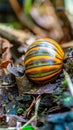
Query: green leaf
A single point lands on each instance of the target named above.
(28, 127)
(67, 99)
(65, 82)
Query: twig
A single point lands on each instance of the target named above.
(35, 115)
(67, 44)
(68, 80)
(37, 105)
(24, 19)
(28, 122)
(30, 108)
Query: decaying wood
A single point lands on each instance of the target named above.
(11, 34)
(23, 84)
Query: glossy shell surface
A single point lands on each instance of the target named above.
(43, 60)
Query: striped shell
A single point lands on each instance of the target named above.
(43, 60)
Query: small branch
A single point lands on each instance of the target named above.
(35, 115)
(67, 44)
(30, 108)
(37, 105)
(24, 19)
(68, 80)
(28, 122)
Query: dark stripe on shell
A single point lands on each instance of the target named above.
(38, 75)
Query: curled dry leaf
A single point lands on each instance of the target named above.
(46, 89)
(5, 49)
(12, 70)
(16, 71)
(5, 64)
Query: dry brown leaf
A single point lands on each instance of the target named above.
(6, 45)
